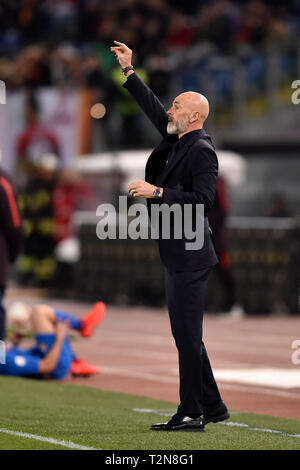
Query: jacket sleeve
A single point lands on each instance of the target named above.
(10, 221)
(204, 179)
(148, 102)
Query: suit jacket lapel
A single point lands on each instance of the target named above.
(175, 160)
(201, 134)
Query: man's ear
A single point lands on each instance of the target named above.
(194, 117)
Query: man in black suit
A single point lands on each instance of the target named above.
(182, 170)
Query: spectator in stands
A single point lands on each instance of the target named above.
(217, 23)
(222, 22)
(37, 264)
(32, 20)
(104, 91)
(11, 239)
(88, 20)
(279, 208)
(67, 193)
(52, 356)
(67, 66)
(65, 24)
(180, 33)
(254, 23)
(152, 36)
(32, 68)
(35, 140)
(38, 163)
(48, 42)
(218, 222)
(159, 75)
(130, 133)
(63, 18)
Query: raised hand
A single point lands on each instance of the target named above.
(122, 53)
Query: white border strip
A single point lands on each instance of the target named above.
(69, 444)
(228, 423)
(249, 388)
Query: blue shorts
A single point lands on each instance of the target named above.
(25, 363)
(21, 363)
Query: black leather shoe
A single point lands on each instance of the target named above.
(214, 414)
(181, 423)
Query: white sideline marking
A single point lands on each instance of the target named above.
(270, 377)
(272, 431)
(171, 413)
(69, 444)
(228, 423)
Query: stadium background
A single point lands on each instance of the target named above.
(244, 56)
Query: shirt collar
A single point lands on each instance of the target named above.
(191, 137)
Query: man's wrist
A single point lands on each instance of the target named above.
(129, 73)
(127, 70)
(158, 193)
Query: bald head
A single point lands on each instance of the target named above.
(196, 102)
(187, 113)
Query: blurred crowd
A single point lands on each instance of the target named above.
(64, 42)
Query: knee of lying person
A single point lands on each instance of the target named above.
(42, 311)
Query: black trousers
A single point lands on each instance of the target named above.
(185, 292)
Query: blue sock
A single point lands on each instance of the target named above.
(75, 322)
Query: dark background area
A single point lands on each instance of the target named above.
(244, 56)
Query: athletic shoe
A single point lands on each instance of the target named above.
(92, 319)
(80, 368)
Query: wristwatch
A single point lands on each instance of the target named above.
(125, 70)
(157, 193)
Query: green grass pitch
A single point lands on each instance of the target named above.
(107, 420)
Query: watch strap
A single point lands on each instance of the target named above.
(126, 69)
(157, 193)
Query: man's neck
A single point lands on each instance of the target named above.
(188, 131)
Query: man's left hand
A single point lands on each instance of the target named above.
(141, 189)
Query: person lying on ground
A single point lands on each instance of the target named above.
(52, 356)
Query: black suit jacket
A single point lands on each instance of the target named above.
(190, 178)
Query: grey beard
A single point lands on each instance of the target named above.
(172, 128)
(177, 127)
